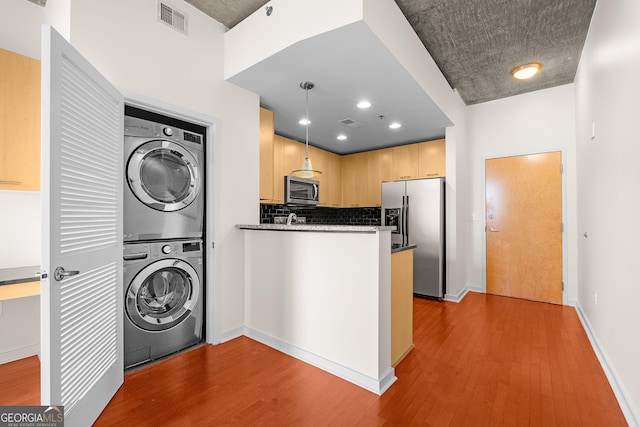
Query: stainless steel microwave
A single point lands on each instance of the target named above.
(301, 191)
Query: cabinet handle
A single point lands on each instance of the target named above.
(405, 177)
(432, 174)
(10, 182)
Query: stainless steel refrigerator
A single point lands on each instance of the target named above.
(416, 208)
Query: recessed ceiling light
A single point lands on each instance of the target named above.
(526, 71)
(395, 125)
(304, 122)
(342, 137)
(364, 104)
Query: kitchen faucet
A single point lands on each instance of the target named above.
(292, 217)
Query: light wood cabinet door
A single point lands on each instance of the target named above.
(331, 178)
(432, 159)
(266, 156)
(380, 170)
(401, 305)
(19, 122)
(278, 169)
(405, 162)
(355, 172)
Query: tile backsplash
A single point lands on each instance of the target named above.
(323, 215)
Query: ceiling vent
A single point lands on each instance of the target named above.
(172, 17)
(351, 123)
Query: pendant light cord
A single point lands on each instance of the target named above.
(306, 90)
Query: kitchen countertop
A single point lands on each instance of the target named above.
(403, 248)
(317, 228)
(12, 276)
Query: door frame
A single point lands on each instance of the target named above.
(565, 257)
(213, 280)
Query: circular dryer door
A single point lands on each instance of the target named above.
(164, 175)
(162, 295)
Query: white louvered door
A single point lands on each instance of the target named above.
(81, 314)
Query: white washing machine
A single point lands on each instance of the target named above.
(163, 299)
(164, 174)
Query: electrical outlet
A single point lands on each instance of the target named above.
(595, 297)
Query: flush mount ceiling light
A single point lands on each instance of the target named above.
(524, 72)
(306, 171)
(341, 137)
(364, 104)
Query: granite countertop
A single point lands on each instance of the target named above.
(316, 228)
(12, 276)
(403, 248)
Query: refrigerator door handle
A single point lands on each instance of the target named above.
(401, 221)
(406, 220)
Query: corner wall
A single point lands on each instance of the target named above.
(607, 93)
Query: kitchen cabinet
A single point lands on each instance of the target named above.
(405, 162)
(380, 170)
(355, 185)
(331, 178)
(19, 122)
(432, 159)
(266, 156)
(401, 305)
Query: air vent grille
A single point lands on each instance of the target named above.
(172, 17)
(351, 123)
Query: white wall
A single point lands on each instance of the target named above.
(140, 55)
(337, 318)
(607, 94)
(20, 23)
(533, 122)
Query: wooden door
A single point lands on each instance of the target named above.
(524, 226)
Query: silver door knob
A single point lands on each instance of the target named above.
(60, 273)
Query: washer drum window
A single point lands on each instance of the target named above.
(162, 295)
(164, 175)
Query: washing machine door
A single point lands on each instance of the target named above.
(162, 295)
(164, 175)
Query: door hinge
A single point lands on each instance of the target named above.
(561, 168)
(562, 286)
(213, 245)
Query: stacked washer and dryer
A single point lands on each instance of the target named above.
(163, 236)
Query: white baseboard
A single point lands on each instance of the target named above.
(19, 353)
(232, 334)
(377, 386)
(624, 400)
(457, 297)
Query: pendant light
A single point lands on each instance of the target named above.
(306, 171)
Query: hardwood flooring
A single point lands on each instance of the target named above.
(488, 361)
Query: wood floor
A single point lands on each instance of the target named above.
(488, 361)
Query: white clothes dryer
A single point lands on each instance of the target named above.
(164, 174)
(163, 299)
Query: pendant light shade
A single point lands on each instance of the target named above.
(307, 170)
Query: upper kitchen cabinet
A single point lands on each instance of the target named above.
(432, 159)
(331, 178)
(266, 156)
(405, 162)
(380, 170)
(19, 122)
(357, 189)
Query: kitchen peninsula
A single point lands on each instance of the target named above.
(322, 294)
